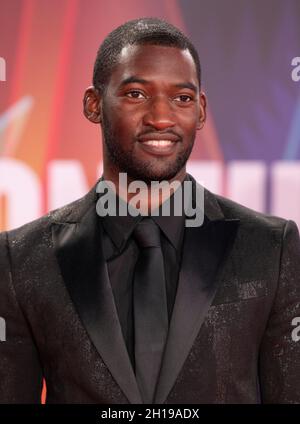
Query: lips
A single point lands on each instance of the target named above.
(159, 144)
(158, 137)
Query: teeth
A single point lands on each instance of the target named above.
(158, 142)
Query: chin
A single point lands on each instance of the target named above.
(157, 176)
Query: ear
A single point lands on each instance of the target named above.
(92, 105)
(202, 112)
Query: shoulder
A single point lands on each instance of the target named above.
(248, 216)
(257, 228)
(39, 229)
(218, 207)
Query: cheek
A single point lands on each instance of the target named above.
(125, 129)
(128, 124)
(189, 127)
(188, 120)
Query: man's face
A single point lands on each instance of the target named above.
(150, 113)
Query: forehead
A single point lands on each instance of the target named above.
(155, 63)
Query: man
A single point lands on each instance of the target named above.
(220, 325)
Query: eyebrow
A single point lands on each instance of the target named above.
(138, 80)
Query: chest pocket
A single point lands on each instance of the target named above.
(236, 291)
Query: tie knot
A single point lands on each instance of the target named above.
(147, 233)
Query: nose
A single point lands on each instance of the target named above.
(159, 114)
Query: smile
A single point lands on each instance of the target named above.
(160, 143)
(158, 147)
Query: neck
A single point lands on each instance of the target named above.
(146, 197)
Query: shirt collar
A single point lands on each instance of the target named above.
(119, 228)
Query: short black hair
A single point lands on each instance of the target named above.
(153, 31)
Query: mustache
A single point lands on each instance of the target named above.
(160, 133)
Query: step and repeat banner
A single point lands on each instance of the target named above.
(249, 149)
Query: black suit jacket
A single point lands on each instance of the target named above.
(230, 338)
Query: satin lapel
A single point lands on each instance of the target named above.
(205, 253)
(79, 253)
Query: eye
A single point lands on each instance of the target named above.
(134, 94)
(185, 98)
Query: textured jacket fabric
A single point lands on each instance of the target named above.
(230, 338)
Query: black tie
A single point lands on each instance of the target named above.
(150, 308)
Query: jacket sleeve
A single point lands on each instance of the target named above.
(20, 370)
(280, 349)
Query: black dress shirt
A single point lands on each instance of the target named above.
(121, 253)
